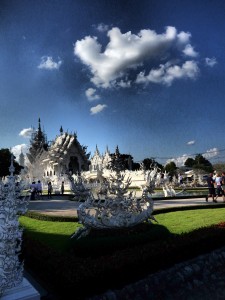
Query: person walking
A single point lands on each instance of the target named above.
(210, 183)
(33, 189)
(219, 190)
(50, 190)
(39, 190)
(223, 185)
(62, 188)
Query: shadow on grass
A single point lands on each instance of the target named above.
(110, 259)
(106, 241)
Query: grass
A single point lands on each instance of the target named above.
(111, 259)
(57, 234)
(54, 234)
(186, 221)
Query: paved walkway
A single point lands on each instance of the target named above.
(60, 206)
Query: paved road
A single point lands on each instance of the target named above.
(58, 205)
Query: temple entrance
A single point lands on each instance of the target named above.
(74, 165)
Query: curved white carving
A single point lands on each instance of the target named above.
(113, 206)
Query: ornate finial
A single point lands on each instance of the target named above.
(11, 168)
(107, 149)
(96, 150)
(61, 130)
(39, 124)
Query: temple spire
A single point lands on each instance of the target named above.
(39, 124)
(97, 151)
(61, 130)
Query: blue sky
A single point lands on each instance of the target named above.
(147, 76)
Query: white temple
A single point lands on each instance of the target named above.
(52, 160)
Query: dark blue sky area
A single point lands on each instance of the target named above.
(147, 76)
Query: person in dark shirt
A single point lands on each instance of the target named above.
(50, 189)
(62, 188)
(212, 192)
(223, 185)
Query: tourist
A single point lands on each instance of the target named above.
(39, 189)
(210, 183)
(33, 189)
(223, 185)
(180, 179)
(50, 190)
(219, 190)
(62, 188)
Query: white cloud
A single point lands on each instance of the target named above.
(48, 63)
(189, 51)
(179, 161)
(184, 37)
(126, 52)
(91, 94)
(16, 150)
(27, 132)
(191, 143)
(102, 27)
(124, 83)
(211, 153)
(167, 73)
(97, 109)
(211, 62)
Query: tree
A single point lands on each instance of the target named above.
(189, 162)
(200, 163)
(5, 161)
(126, 160)
(219, 167)
(117, 163)
(135, 166)
(150, 162)
(171, 168)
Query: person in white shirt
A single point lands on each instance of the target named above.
(33, 189)
(219, 190)
(39, 189)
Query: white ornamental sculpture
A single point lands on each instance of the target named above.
(119, 208)
(12, 204)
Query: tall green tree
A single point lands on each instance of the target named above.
(171, 168)
(150, 162)
(200, 163)
(190, 162)
(5, 161)
(219, 167)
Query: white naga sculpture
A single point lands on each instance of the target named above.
(12, 204)
(118, 208)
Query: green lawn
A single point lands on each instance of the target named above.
(185, 221)
(57, 234)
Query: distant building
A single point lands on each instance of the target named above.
(52, 160)
(63, 155)
(100, 162)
